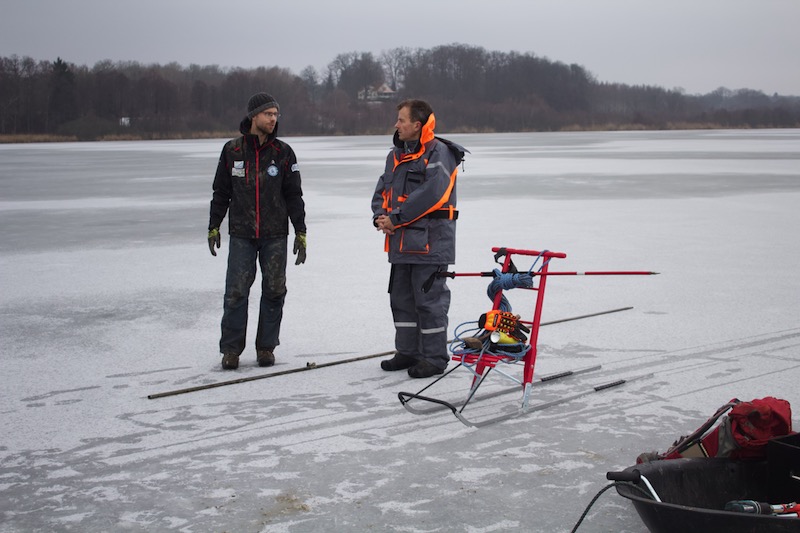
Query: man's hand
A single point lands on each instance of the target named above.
(214, 240)
(299, 248)
(384, 224)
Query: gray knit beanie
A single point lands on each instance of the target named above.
(259, 102)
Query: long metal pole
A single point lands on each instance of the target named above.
(314, 366)
(587, 273)
(309, 366)
(585, 316)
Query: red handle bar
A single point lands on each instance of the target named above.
(515, 251)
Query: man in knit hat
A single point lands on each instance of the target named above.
(258, 185)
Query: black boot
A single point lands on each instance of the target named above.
(398, 362)
(424, 369)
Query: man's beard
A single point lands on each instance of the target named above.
(265, 131)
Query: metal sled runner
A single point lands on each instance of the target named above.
(501, 338)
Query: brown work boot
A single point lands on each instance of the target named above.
(230, 361)
(265, 357)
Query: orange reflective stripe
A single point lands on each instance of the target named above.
(409, 157)
(443, 200)
(426, 136)
(387, 200)
(427, 130)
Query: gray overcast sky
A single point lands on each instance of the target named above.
(697, 45)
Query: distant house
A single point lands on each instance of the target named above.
(377, 94)
(125, 122)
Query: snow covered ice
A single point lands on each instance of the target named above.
(109, 295)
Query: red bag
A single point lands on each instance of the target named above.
(743, 434)
(754, 423)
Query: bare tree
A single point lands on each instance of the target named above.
(339, 64)
(395, 62)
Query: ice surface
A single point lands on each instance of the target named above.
(110, 295)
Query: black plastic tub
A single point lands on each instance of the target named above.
(694, 492)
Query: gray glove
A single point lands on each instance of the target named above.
(214, 240)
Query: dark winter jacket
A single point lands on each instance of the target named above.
(259, 186)
(418, 193)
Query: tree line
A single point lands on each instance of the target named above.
(471, 89)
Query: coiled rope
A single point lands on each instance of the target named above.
(503, 281)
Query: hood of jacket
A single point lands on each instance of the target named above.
(426, 135)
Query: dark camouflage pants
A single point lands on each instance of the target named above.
(271, 254)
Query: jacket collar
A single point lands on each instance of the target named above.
(426, 136)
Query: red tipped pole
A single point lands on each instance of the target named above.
(587, 273)
(599, 273)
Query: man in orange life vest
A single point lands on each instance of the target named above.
(414, 205)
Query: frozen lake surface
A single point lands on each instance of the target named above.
(110, 295)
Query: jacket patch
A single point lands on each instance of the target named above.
(272, 170)
(295, 168)
(238, 169)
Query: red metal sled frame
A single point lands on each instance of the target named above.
(483, 362)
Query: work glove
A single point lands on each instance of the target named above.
(214, 240)
(299, 248)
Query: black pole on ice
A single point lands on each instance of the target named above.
(586, 316)
(314, 366)
(309, 366)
